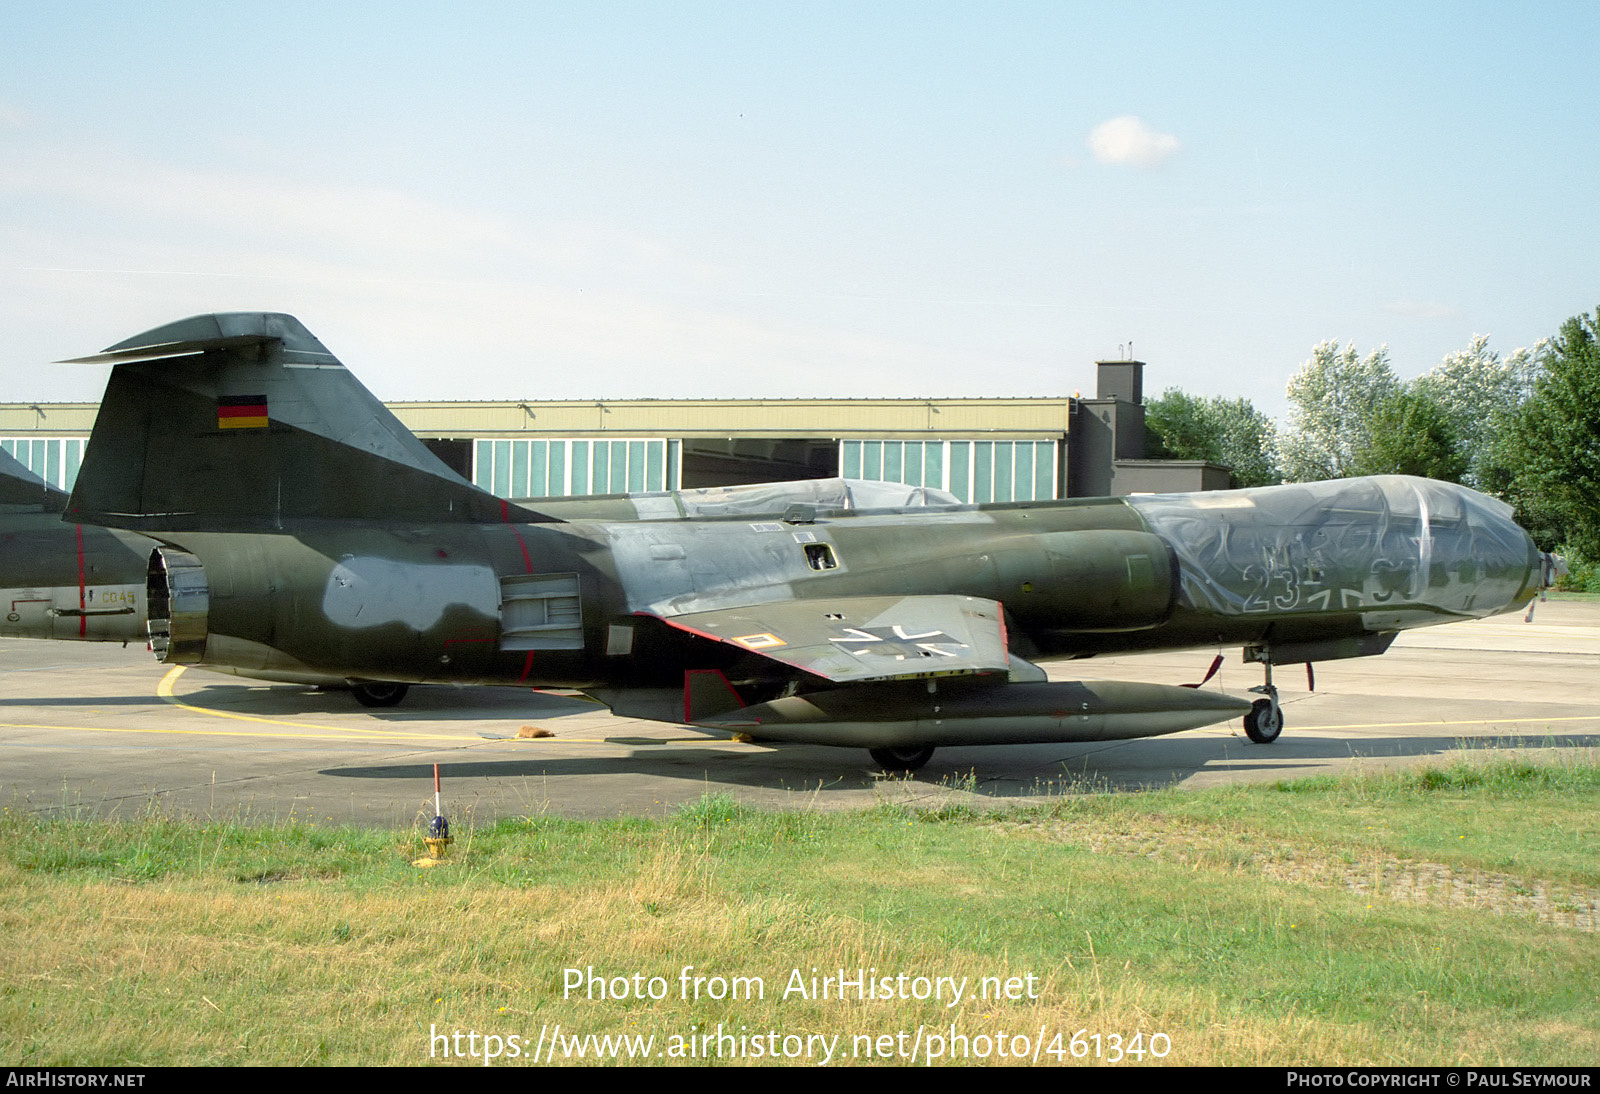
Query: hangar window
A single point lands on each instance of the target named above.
(563, 468)
(53, 459)
(975, 471)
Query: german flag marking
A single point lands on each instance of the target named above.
(241, 412)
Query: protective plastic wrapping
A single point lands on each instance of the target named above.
(1386, 544)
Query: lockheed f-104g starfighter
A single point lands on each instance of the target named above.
(303, 531)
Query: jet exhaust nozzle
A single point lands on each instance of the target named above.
(179, 600)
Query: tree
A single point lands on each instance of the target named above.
(1480, 395)
(1225, 431)
(1333, 399)
(1555, 444)
(1412, 434)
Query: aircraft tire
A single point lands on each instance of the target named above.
(901, 759)
(1264, 722)
(378, 694)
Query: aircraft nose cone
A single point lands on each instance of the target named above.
(1508, 560)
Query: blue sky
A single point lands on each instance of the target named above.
(551, 200)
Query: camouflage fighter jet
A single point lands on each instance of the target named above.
(302, 529)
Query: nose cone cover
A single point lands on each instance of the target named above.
(1388, 543)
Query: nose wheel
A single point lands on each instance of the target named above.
(1265, 720)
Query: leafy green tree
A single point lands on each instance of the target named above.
(1333, 400)
(1410, 433)
(1225, 431)
(1555, 447)
(1480, 395)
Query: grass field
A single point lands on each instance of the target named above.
(1446, 916)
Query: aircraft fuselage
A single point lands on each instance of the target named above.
(585, 604)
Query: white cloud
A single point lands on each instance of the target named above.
(1128, 140)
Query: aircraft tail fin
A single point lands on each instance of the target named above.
(242, 420)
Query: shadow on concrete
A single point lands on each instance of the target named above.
(423, 703)
(84, 701)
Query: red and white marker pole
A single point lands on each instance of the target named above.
(439, 829)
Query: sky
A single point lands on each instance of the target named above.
(781, 200)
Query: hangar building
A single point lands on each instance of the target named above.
(981, 450)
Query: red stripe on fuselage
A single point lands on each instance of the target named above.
(505, 516)
(83, 603)
(527, 562)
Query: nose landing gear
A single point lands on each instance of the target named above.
(1265, 720)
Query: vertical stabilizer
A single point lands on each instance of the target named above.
(242, 421)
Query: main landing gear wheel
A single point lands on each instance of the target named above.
(901, 759)
(374, 694)
(1264, 722)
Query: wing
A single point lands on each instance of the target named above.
(868, 657)
(862, 639)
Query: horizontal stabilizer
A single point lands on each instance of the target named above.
(242, 420)
(858, 639)
(140, 348)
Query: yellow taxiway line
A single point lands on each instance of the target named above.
(347, 733)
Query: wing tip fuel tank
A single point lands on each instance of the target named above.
(1028, 713)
